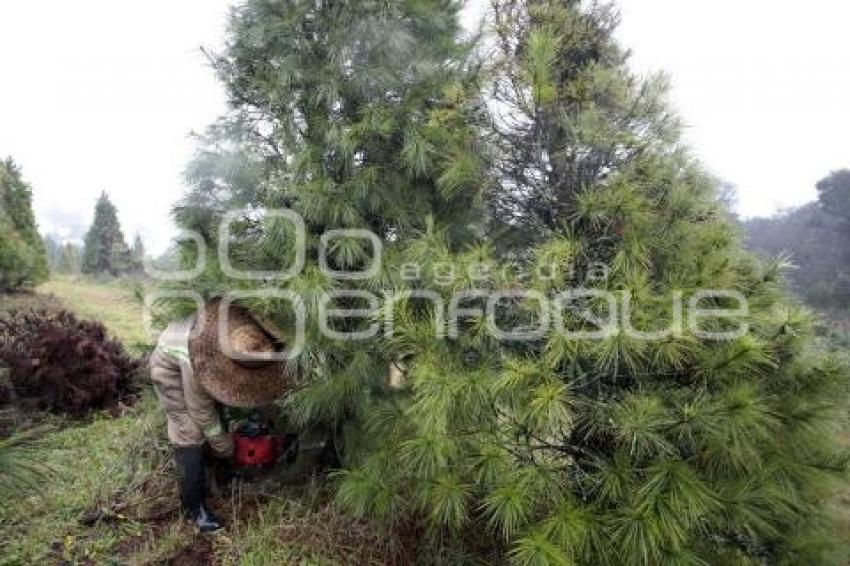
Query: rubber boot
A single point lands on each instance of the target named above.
(190, 470)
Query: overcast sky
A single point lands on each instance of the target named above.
(102, 95)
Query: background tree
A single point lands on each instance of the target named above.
(808, 238)
(53, 249)
(834, 194)
(105, 248)
(70, 259)
(137, 253)
(15, 256)
(23, 260)
(63, 257)
(834, 198)
(812, 238)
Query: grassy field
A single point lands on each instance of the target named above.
(113, 303)
(110, 495)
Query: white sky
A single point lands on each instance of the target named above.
(763, 85)
(102, 95)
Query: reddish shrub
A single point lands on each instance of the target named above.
(64, 365)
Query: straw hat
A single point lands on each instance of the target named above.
(236, 364)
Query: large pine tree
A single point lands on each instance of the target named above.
(356, 115)
(557, 450)
(106, 249)
(23, 260)
(621, 449)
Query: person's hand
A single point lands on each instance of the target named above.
(222, 445)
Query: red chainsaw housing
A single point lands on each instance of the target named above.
(254, 452)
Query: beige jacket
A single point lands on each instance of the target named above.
(191, 412)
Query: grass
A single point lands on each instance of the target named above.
(24, 300)
(96, 466)
(92, 466)
(114, 303)
(111, 498)
(110, 495)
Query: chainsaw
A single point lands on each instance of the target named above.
(255, 447)
(260, 448)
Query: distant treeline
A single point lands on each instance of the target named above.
(814, 238)
(26, 259)
(104, 251)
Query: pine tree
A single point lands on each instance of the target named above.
(70, 259)
(137, 253)
(15, 255)
(834, 194)
(356, 115)
(584, 117)
(105, 248)
(53, 249)
(556, 450)
(620, 450)
(23, 260)
(834, 199)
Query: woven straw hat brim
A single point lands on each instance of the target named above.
(228, 381)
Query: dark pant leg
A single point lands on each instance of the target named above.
(190, 471)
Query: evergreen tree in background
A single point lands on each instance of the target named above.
(70, 259)
(834, 195)
(834, 198)
(813, 238)
(105, 248)
(23, 260)
(62, 257)
(137, 253)
(53, 249)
